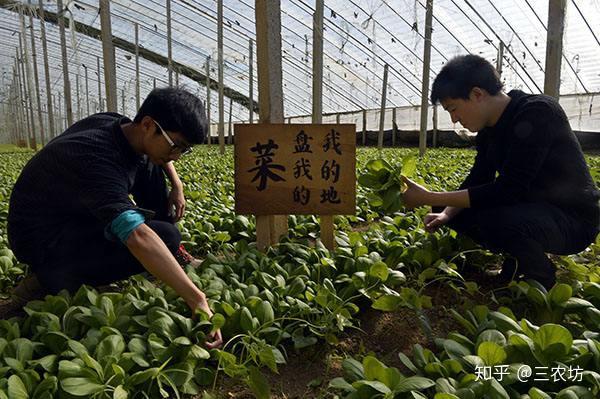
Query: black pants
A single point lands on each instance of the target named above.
(82, 254)
(527, 232)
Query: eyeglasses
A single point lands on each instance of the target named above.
(174, 147)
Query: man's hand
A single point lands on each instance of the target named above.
(215, 339)
(434, 220)
(177, 200)
(415, 195)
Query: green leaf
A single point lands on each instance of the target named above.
(496, 391)
(267, 357)
(554, 340)
(21, 349)
(388, 303)
(392, 199)
(376, 385)
(78, 386)
(407, 362)
(375, 165)
(455, 350)
(491, 336)
(142, 376)
(113, 345)
(491, 353)
(380, 270)
(575, 391)
(218, 321)
(560, 293)
(409, 165)
(374, 369)
(353, 370)
(120, 393)
(16, 388)
(413, 384)
(198, 352)
(369, 181)
(258, 383)
(342, 384)
(535, 393)
(504, 323)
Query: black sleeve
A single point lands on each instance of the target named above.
(530, 139)
(104, 187)
(481, 172)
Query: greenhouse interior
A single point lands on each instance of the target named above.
(300, 199)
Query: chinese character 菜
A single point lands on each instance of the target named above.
(264, 160)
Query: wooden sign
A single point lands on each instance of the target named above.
(295, 169)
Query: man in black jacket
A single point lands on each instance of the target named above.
(92, 207)
(529, 191)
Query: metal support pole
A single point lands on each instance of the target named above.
(77, 98)
(87, 91)
(435, 125)
(26, 100)
(36, 77)
(394, 127)
(49, 106)
(28, 77)
(220, 67)
(21, 98)
(500, 57)
(60, 118)
(364, 127)
(317, 61)
(100, 108)
(169, 44)
(382, 112)
(65, 63)
(208, 116)
(229, 128)
(137, 66)
(251, 80)
(425, 79)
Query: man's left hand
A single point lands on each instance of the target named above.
(415, 195)
(177, 201)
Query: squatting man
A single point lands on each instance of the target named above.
(529, 191)
(71, 214)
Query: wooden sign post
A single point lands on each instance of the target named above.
(300, 169)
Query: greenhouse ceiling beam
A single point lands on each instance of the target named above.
(156, 58)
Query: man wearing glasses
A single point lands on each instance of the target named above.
(72, 217)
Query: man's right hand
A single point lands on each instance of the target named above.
(434, 220)
(215, 339)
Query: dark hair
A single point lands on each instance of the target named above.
(176, 110)
(461, 74)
